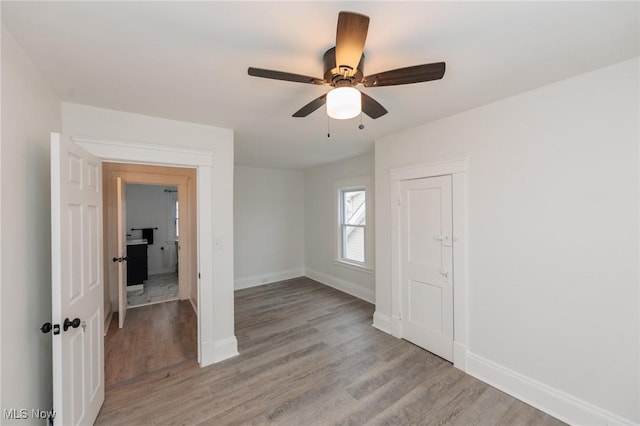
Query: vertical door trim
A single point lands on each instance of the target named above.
(457, 168)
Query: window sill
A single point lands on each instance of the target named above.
(356, 267)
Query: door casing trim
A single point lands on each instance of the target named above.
(213, 345)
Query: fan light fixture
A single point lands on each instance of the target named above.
(344, 103)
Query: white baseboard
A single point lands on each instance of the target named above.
(459, 356)
(219, 350)
(342, 285)
(555, 402)
(107, 322)
(268, 278)
(382, 322)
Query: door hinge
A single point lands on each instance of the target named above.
(199, 275)
(399, 201)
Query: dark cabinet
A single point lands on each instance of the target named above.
(137, 271)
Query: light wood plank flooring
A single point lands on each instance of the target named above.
(153, 338)
(309, 356)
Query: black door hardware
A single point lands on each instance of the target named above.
(75, 323)
(120, 259)
(47, 327)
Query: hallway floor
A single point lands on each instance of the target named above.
(153, 338)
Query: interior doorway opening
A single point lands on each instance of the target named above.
(153, 241)
(144, 244)
(139, 179)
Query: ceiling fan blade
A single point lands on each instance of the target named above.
(371, 107)
(350, 37)
(311, 106)
(285, 76)
(414, 74)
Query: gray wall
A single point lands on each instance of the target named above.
(30, 111)
(552, 246)
(268, 225)
(321, 211)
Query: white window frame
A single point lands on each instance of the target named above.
(362, 183)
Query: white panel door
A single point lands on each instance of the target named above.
(426, 225)
(77, 292)
(122, 250)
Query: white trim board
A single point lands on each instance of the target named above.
(382, 322)
(271, 277)
(555, 402)
(365, 294)
(212, 346)
(131, 152)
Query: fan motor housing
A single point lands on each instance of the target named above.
(344, 76)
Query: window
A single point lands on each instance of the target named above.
(354, 223)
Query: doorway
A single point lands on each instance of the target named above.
(449, 241)
(139, 178)
(150, 239)
(214, 245)
(153, 241)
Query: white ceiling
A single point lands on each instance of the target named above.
(188, 61)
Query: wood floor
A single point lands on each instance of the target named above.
(154, 337)
(309, 356)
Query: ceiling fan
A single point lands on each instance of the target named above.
(344, 70)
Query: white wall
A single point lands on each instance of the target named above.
(149, 206)
(215, 304)
(30, 111)
(553, 240)
(268, 225)
(320, 227)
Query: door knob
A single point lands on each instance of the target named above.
(75, 323)
(47, 327)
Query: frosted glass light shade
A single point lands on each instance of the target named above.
(343, 103)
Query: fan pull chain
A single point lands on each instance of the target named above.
(328, 127)
(361, 126)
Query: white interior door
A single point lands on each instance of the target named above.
(121, 206)
(426, 225)
(77, 292)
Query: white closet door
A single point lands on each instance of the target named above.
(426, 224)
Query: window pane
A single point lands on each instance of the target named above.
(353, 206)
(177, 220)
(354, 243)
